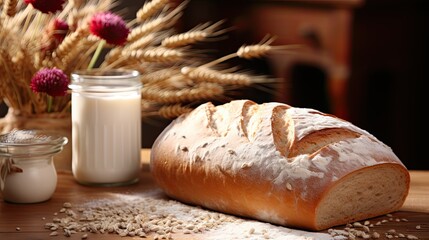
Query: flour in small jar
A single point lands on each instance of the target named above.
(153, 214)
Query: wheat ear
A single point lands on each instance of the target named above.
(252, 51)
(156, 54)
(68, 43)
(159, 75)
(201, 91)
(192, 36)
(149, 9)
(157, 24)
(114, 57)
(173, 111)
(9, 7)
(203, 74)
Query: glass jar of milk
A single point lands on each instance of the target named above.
(28, 173)
(106, 126)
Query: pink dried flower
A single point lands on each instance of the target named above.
(46, 6)
(109, 27)
(51, 81)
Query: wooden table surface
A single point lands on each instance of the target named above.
(27, 221)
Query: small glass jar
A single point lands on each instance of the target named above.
(28, 172)
(106, 127)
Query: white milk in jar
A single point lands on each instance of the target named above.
(106, 127)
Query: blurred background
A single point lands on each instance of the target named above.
(364, 62)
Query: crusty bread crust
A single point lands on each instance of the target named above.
(276, 163)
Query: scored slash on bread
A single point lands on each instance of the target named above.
(291, 166)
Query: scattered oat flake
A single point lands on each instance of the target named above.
(418, 227)
(151, 213)
(18, 229)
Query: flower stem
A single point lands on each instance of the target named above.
(49, 98)
(96, 54)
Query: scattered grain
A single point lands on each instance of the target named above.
(67, 205)
(375, 235)
(357, 224)
(366, 228)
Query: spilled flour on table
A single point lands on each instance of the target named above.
(153, 214)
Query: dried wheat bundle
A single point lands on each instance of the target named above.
(28, 43)
(175, 77)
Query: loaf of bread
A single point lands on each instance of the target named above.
(295, 167)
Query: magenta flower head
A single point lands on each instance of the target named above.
(109, 27)
(46, 6)
(51, 81)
